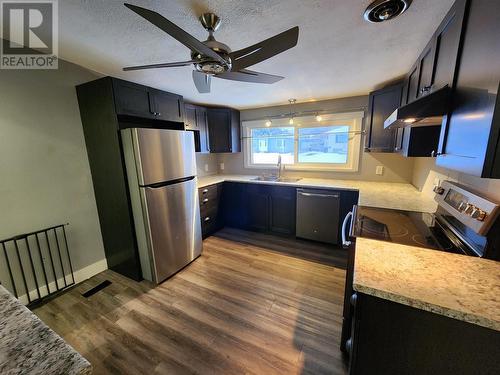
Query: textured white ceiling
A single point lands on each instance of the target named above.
(338, 53)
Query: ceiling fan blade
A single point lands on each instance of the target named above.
(176, 32)
(267, 48)
(250, 76)
(202, 81)
(162, 65)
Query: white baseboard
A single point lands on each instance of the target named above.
(80, 275)
(92, 270)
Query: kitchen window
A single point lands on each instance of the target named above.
(332, 144)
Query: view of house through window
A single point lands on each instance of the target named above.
(326, 144)
(268, 143)
(333, 143)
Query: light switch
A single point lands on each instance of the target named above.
(206, 167)
(221, 166)
(379, 170)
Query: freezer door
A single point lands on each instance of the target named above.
(173, 220)
(163, 155)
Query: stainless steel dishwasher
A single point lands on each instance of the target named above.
(318, 215)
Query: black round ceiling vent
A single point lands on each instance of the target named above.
(384, 10)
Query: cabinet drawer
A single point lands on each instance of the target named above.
(209, 209)
(208, 192)
(208, 224)
(208, 201)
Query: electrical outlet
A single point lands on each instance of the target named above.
(206, 167)
(437, 181)
(221, 166)
(379, 170)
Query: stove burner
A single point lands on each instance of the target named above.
(393, 230)
(422, 240)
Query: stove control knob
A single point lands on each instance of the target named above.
(469, 209)
(479, 214)
(438, 190)
(461, 206)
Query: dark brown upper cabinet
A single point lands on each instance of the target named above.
(167, 106)
(132, 99)
(140, 101)
(470, 135)
(425, 70)
(223, 130)
(447, 44)
(381, 104)
(196, 120)
(434, 69)
(436, 65)
(409, 142)
(418, 141)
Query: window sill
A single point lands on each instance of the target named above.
(303, 168)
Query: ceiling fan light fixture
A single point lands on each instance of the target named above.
(384, 10)
(212, 58)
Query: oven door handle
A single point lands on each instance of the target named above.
(345, 242)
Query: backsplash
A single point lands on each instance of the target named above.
(206, 160)
(396, 168)
(425, 171)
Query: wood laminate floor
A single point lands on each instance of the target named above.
(238, 309)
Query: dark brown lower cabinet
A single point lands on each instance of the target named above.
(257, 198)
(391, 338)
(271, 208)
(210, 212)
(282, 207)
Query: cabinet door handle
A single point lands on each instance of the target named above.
(205, 200)
(204, 191)
(348, 345)
(207, 136)
(207, 219)
(425, 89)
(319, 195)
(434, 154)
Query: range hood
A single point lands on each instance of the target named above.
(425, 111)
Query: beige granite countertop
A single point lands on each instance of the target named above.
(28, 346)
(374, 194)
(460, 287)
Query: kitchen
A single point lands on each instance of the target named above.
(202, 217)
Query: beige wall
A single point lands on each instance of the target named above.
(425, 173)
(45, 177)
(397, 168)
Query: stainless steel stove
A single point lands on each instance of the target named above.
(460, 224)
(464, 223)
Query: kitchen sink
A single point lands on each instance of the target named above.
(276, 179)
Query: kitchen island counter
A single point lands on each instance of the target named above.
(457, 286)
(28, 346)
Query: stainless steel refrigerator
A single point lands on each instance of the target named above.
(161, 172)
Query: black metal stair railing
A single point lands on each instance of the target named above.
(38, 264)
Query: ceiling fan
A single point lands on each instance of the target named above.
(215, 59)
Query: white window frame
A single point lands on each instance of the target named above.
(352, 119)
